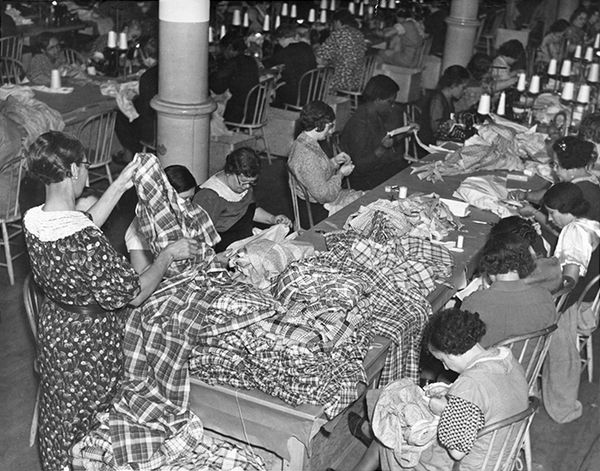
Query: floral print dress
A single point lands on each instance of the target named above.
(79, 355)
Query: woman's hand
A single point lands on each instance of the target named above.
(182, 249)
(282, 219)
(518, 195)
(342, 158)
(124, 180)
(438, 404)
(527, 210)
(346, 169)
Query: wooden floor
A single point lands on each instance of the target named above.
(568, 447)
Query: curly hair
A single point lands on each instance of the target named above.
(379, 86)
(521, 227)
(479, 65)
(513, 48)
(505, 253)
(243, 161)
(452, 76)
(573, 152)
(566, 197)
(589, 129)
(50, 157)
(314, 115)
(453, 331)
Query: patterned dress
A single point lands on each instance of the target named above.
(79, 355)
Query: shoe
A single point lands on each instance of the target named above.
(355, 425)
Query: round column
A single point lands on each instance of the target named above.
(460, 34)
(183, 104)
(565, 8)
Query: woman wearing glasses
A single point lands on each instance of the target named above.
(87, 284)
(228, 198)
(48, 56)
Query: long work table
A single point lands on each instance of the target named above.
(262, 420)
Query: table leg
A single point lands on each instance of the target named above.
(297, 453)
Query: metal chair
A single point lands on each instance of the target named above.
(33, 299)
(10, 214)
(506, 438)
(411, 114)
(255, 112)
(12, 46)
(292, 183)
(530, 351)
(11, 71)
(313, 85)
(96, 134)
(73, 57)
(354, 95)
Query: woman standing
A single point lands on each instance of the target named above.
(87, 283)
(316, 176)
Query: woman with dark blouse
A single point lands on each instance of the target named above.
(87, 284)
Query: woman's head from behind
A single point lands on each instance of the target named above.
(506, 253)
(54, 157)
(242, 167)
(181, 180)
(572, 153)
(565, 203)
(479, 65)
(380, 89)
(512, 51)
(232, 44)
(315, 116)
(559, 27)
(453, 81)
(452, 332)
(521, 227)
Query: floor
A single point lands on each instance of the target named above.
(568, 447)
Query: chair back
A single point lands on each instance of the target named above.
(255, 107)
(530, 351)
(96, 134)
(482, 22)
(293, 185)
(369, 70)
(313, 85)
(10, 186)
(12, 46)
(423, 51)
(593, 283)
(11, 71)
(73, 57)
(506, 438)
(33, 298)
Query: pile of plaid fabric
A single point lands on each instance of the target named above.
(303, 340)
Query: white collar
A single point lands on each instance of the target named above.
(222, 189)
(50, 226)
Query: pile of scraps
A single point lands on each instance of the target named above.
(501, 145)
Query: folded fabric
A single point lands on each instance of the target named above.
(344, 198)
(485, 192)
(60, 90)
(10, 89)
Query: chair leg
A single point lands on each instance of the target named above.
(34, 419)
(7, 254)
(264, 139)
(108, 174)
(589, 358)
(527, 450)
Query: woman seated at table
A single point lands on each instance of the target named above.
(552, 45)
(491, 386)
(575, 33)
(228, 198)
(140, 256)
(510, 306)
(376, 155)
(440, 105)
(316, 176)
(504, 74)
(578, 253)
(238, 74)
(479, 82)
(47, 56)
(406, 39)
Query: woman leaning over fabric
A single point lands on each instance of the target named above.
(87, 283)
(490, 387)
(316, 176)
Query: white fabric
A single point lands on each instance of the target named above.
(576, 242)
(50, 226)
(485, 192)
(220, 188)
(133, 238)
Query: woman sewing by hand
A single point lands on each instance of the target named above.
(86, 283)
(228, 198)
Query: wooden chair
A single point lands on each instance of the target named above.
(530, 351)
(12, 46)
(254, 119)
(10, 214)
(73, 57)
(488, 35)
(506, 438)
(584, 341)
(292, 183)
(97, 133)
(313, 85)
(11, 71)
(411, 114)
(33, 299)
(354, 95)
(482, 21)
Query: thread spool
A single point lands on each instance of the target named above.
(402, 192)
(112, 40)
(55, 79)
(460, 241)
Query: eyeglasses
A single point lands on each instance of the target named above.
(245, 183)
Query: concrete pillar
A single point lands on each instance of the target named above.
(183, 104)
(461, 32)
(566, 7)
